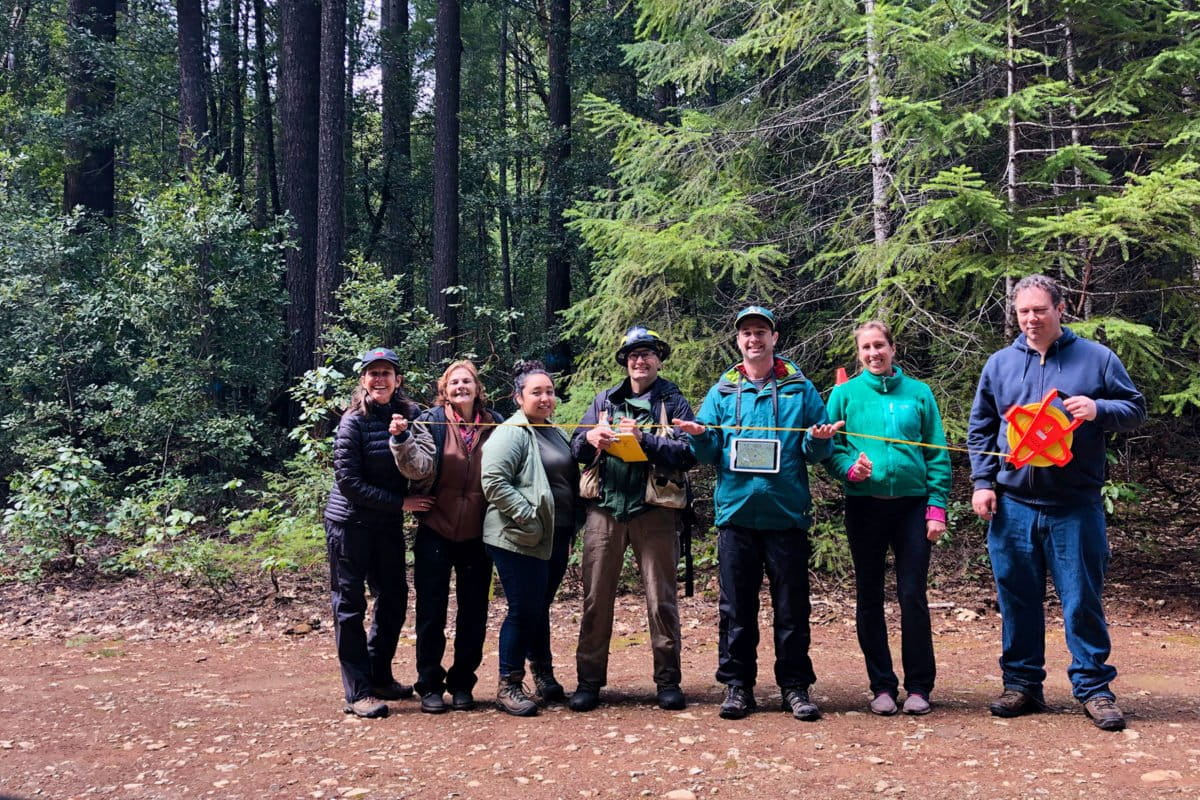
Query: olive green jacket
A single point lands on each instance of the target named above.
(520, 514)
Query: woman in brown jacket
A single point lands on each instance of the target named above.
(450, 508)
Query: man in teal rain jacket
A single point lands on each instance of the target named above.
(761, 425)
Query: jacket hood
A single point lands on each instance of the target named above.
(787, 373)
(1021, 344)
(661, 388)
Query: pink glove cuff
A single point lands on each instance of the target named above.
(935, 513)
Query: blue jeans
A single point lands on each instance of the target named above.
(872, 526)
(743, 555)
(360, 556)
(529, 587)
(1024, 542)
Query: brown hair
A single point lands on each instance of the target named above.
(878, 325)
(480, 393)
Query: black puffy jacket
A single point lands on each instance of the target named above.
(367, 486)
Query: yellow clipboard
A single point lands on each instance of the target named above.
(626, 448)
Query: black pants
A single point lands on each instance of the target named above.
(434, 558)
(360, 556)
(743, 555)
(872, 526)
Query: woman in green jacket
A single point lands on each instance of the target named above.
(531, 483)
(895, 497)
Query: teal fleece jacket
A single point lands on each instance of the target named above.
(763, 501)
(898, 407)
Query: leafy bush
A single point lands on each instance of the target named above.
(55, 512)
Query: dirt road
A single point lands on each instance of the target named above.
(136, 707)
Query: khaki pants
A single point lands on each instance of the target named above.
(655, 541)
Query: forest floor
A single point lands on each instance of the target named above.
(137, 689)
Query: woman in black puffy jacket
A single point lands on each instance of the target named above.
(364, 529)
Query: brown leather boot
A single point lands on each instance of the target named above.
(511, 697)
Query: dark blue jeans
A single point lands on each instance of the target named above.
(1071, 543)
(744, 554)
(434, 558)
(872, 527)
(529, 587)
(360, 556)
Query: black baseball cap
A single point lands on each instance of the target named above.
(380, 354)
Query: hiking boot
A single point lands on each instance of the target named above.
(434, 703)
(1104, 713)
(796, 700)
(368, 707)
(462, 700)
(917, 704)
(670, 698)
(1015, 703)
(585, 698)
(511, 697)
(884, 705)
(545, 684)
(739, 701)
(393, 691)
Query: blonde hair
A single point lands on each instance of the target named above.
(442, 382)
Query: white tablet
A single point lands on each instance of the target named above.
(754, 455)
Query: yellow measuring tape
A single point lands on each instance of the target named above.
(950, 447)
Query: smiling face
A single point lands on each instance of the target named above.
(875, 352)
(1038, 317)
(756, 340)
(642, 365)
(537, 398)
(380, 381)
(461, 389)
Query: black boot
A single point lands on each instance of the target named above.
(548, 688)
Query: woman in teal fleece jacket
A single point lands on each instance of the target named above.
(895, 497)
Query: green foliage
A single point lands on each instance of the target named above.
(55, 512)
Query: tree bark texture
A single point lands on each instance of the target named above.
(558, 264)
(879, 176)
(331, 180)
(299, 101)
(88, 179)
(448, 62)
(266, 177)
(193, 109)
(397, 111)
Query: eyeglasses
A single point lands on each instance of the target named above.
(643, 355)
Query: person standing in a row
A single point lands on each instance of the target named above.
(761, 425)
(896, 496)
(364, 529)
(450, 507)
(531, 482)
(629, 511)
(1050, 518)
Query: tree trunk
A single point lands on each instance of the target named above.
(396, 75)
(448, 62)
(331, 180)
(879, 176)
(88, 178)
(502, 118)
(237, 158)
(227, 19)
(1011, 169)
(299, 101)
(193, 111)
(558, 264)
(266, 178)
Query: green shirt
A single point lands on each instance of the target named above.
(623, 485)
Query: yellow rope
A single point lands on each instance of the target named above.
(953, 448)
